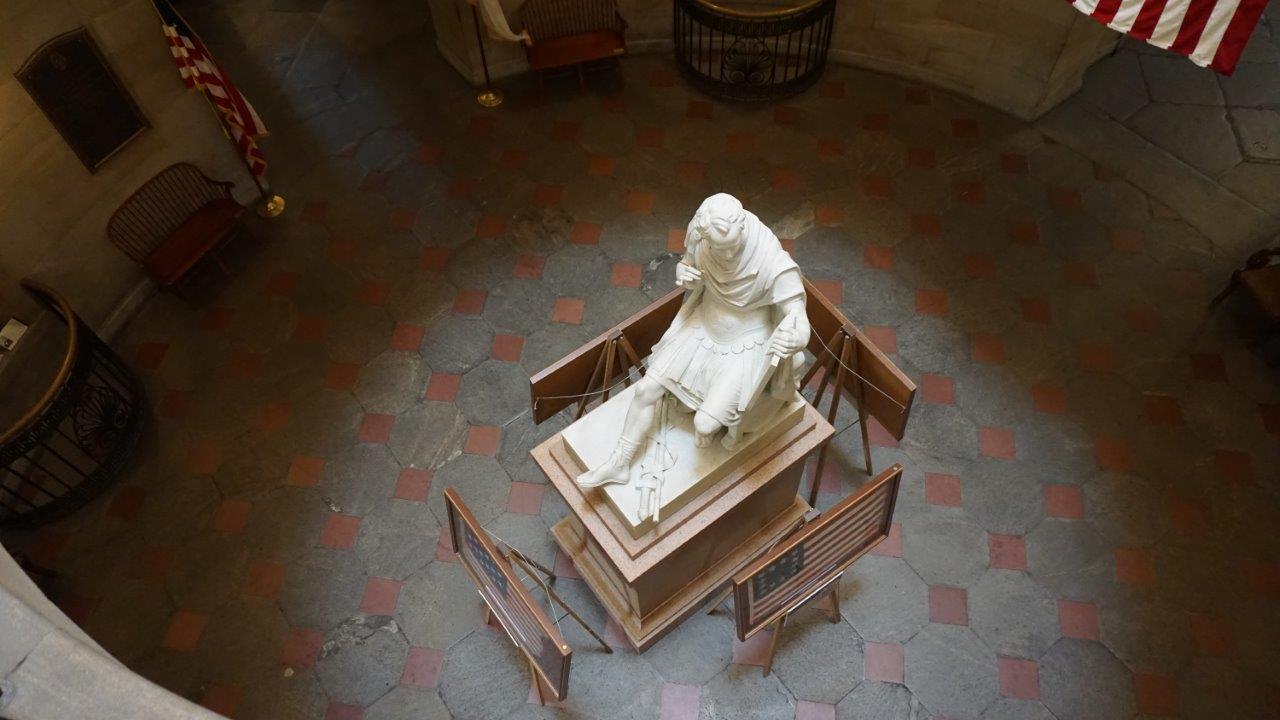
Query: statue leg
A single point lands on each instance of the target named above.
(639, 421)
(704, 427)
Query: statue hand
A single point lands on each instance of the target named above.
(785, 342)
(687, 275)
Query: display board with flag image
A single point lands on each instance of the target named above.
(508, 599)
(1212, 33)
(810, 560)
(201, 72)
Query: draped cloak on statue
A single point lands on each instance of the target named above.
(718, 375)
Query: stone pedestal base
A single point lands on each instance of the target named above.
(650, 583)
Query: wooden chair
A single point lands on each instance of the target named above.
(1260, 277)
(174, 220)
(572, 32)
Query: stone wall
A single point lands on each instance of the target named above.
(1021, 57)
(53, 212)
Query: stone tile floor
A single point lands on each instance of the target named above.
(1086, 523)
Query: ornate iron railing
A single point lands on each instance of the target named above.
(752, 55)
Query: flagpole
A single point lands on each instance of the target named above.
(488, 97)
(271, 205)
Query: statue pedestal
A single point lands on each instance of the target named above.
(650, 583)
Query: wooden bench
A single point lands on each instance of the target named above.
(572, 32)
(173, 221)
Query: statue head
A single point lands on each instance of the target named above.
(719, 223)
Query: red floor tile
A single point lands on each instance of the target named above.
(997, 443)
(272, 416)
(461, 188)
(937, 389)
(1113, 454)
(831, 89)
(568, 310)
(883, 337)
(988, 349)
(883, 662)
(412, 484)
(1081, 274)
(1035, 310)
(585, 233)
(565, 130)
(184, 631)
(828, 215)
(832, 290)
(315, 210)
(1211, 634)
(282, 283)
(309, 328)
(932, 302)
(1024, 232)
(1063, 501)
(922, 157)
(1065, 200)
(878, 257)
(1208, 368)
(375, 428)
(940, 489)
(979, 266)
(830, 148)
(1013, 163)
(442, 387)
(640, 201)
(428, 154)
(304, 471)
(374, 293)
(970, 193)
(1135, 566)
(650, 138)
(422, 667)
(564, 567)
(1270, 414)
(407, 337)
(740, 143)
(680, 702)
(691, 171)
(699, 110)
(153, 563)
(1049, 399)
(507, 348)
(948, 605)
(339, 711)
(217, 319)
(444, 547)
(600, 165)
(402, 219)
(230, 517)
(374, 181)
(149, 355)
(265, 579)
(174, 404)
(787, 115)
(491, 226)
(964, 128)
(810, 710)
(877, 186)
(48, 548)
(1008, 552)
(781, 178)
(1156, 694)
(675, 240)
(340, 531)
(1163, 410)
(1018, 678)
(1097, 357)
(754, 651)
(1078, 620)
(916, 95)
(483, 440)
(1142, 318)
(380, 596)
(126, 502)
(470, 302)
(481, 125)
(341, 376)
(525, 498)
(875, 122)
(891, 546)
(529, 266)
(1263, 577)
(435, 258)
(513, 158)
(1233, 465)
(1187, 515)
(1126, 239)
(221, 698)
(627, 274)
(301, 648)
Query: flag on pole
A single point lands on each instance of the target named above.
(1212, 33)
(200, 72)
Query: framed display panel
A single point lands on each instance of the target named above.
(71, 82)
(508, 599)
(814, 557)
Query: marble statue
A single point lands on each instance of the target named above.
(731, 353)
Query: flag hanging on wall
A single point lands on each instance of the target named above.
(1212, 33)
(199, 71)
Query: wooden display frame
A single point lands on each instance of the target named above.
(856, 524)
(548, 654)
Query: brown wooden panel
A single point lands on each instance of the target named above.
(800, 566)
(892, 407)
(557, 387)
(509, 600)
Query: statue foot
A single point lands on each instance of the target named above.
(702, 441)
(613, 470)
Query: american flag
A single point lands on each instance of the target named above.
(201, 72)
(1212, 33)
(816, 555)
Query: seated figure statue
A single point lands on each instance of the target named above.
(738, 332)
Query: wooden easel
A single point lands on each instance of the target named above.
(832, 589)
(617, 348)
(841, 355)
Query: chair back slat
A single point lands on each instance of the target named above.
(157, 208)
(546, 19)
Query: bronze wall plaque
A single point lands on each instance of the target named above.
(71, 82)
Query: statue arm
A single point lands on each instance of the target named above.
(790, 338)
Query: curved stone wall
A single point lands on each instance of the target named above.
(1019, 56)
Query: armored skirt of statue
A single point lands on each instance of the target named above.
(705, 369)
